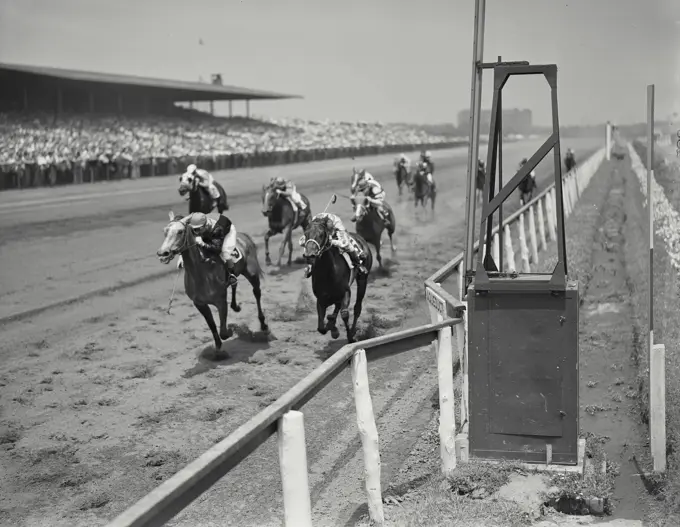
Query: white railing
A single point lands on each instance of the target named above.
(282, 416)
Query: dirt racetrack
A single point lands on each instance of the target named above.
(104, 395)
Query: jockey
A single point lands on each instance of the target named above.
(341, 239)
(402, 161)
(532, 173)
(286, 188)
(373, 191)
(205, 180)
(427, 164)
(215, 237)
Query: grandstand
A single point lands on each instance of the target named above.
(62, 126)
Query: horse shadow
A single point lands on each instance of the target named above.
(240, 348)
(332, 346)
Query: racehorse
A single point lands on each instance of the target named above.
(370, 226)
(205, 282)
(526, 189)
(332, 279)
(403, 177)
(569, 162)
(200, 199)
(423, 189)
(282, 219)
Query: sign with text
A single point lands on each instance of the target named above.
(436, 301)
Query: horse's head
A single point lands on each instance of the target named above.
(186, 183)
(177, 238)
(316, 239)
(360, 210)
(268, 199)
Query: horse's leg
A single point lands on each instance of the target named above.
(207, 314)
(332, 321)
(344, 313)
(361, 292)
(234, 306)
(254, 280)
(377, 244)
(321, 314)
(286, 234)
(223, 310)
(267, 235)
(289, 241)
(393, 247)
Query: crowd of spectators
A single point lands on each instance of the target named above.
(102, 144)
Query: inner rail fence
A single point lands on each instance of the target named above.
(284, 418)
(92, 171)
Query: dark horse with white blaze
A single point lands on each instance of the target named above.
(205, 282)
(423, 189)
(200, 199)
(282, 219)
(370, 225)
(403, 177)
(332, 279)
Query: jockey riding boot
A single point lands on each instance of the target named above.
(358, 262)
(308, 271)
(229, 270)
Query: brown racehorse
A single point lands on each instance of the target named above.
(331, 279)
(282, 219)
(423, 189)
(370, 226)
(205, 282)
(403, 177)
(200, 199)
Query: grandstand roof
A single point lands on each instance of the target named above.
(178, 90)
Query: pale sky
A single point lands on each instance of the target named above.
(389, 60)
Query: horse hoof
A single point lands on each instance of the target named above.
(264, 328)
(236, 308)
(335, 333)
(323, 331)
(267, 261)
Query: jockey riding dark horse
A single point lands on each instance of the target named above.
(205, 193)
(527, 185)
(569, 160)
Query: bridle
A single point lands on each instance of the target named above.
(185, 239)
(320, 248)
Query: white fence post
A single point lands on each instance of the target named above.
(657, 406)
(541, 226)
(369, 436)
(550, 213)
(496, 250)
(447, 403)
(532, 235)
(297, 507)
(523, 249)
(509, 251)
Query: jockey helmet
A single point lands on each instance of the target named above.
(279, 181)
(197, 221)
(191, 169)
(523, 161)
(428, 155)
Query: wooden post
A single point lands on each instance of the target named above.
(551, 216)
(509, 251)
(650, 208)
(447, 408)
(523, 249)
(297, 506)
(462, 442)
(369, 436)
(532, 235)
(496, 250)
(608, 141)
(541, 226)
(657, 406)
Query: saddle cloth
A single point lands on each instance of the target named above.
(237, 254)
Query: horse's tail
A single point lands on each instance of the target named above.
(252, 260)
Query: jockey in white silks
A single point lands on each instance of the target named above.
(215, 237)
(372, 190)
(427, 164)
(341, 239)
(286, 188)
(402, 160)
(205, 180)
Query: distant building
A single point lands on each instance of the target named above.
(515, 121)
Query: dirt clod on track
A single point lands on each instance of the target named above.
(105, 398)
